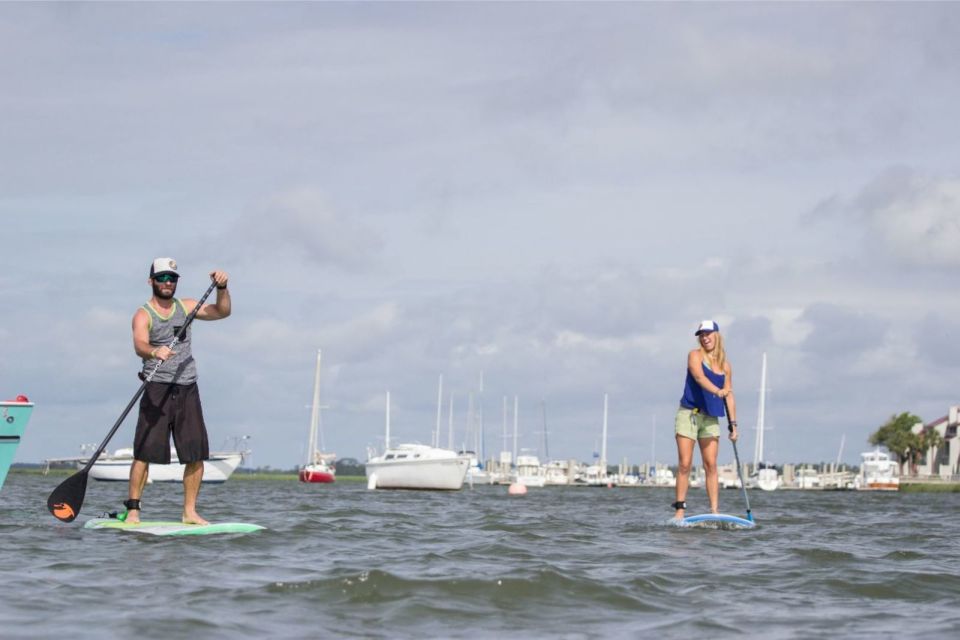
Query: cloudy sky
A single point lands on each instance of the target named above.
(547, 196)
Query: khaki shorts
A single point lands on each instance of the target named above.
(695, 425)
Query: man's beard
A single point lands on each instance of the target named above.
(159, 293)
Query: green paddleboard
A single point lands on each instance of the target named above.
(161, 528)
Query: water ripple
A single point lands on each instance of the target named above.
(572, 563)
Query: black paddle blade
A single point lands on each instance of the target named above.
(65, 501)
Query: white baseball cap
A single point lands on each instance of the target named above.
(164, 265)
(707, 326)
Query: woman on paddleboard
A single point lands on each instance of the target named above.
(709, 383)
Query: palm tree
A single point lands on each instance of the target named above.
(896, 434)
(928, 443)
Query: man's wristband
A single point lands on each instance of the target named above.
(733, 423)
(221, 288)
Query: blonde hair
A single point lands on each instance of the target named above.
(719, 357)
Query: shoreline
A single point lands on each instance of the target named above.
(907, 485)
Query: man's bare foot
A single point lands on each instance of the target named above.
(193, 518)
(133, 517)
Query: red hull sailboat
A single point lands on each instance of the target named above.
(320, 466)
(318, 473)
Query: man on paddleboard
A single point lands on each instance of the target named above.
(171, 400)
(708, 386)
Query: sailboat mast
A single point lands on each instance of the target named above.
(506, 438)
(436, 434)
(481, 449)
(450, 425)
(653, 440)
(546, 441)
(603, 444)
(516, 409)
(314, 414)
(758, 448)
(386, 438)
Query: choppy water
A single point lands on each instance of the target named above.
(575, 563)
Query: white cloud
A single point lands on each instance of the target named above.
(915, 217)
(300, 225)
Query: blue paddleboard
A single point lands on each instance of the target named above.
(164, 528)
(718, 519)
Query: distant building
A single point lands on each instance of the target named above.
(943, 461)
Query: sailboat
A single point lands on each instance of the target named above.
(415, 466)
(595, 475)
(767, 477)
(320, 466)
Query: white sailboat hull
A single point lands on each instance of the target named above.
(217, 469)
(768, 479)
(417, 467)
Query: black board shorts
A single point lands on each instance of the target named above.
(165, 410)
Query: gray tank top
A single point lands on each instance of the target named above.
(181, 368)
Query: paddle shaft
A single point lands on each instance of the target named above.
(736, 457)
(73, 488)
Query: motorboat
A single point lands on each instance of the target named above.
(877, 472)
(320, 466)
(662, 477)
(14, 415)
(595, 475)
(808, 478)
(528, 472)
(558, 472)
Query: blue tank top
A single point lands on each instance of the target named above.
(695, 397)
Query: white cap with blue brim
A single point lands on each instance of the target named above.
(707, 326)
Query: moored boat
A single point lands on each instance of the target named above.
(115, 467)
(768, 479)
(321, 471)
(559, 472)
(595, 475)
(529, 473)
(14, 415)
(766, 476)
(877, 472)
(661, 476)
(476, 473)
(415, 466)
(320, 467)
(807, 478)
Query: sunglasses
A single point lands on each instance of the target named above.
(166, 277)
